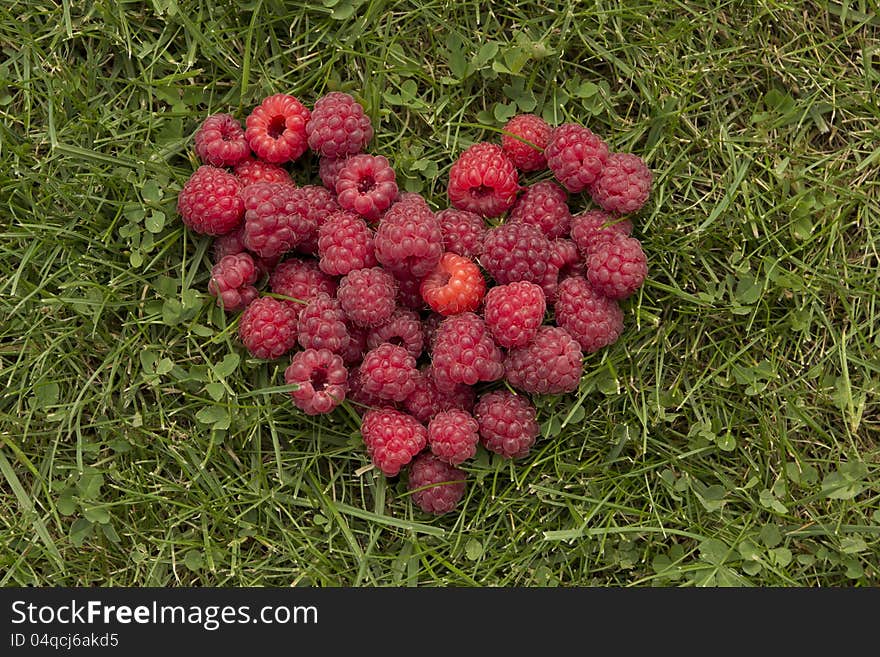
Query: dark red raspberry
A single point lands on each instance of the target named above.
(550, 282)
(508, 423)
(516, 252)
(228, 244)
(551, 364)
(322, 380)
(301, 279)
(315, 203)
(575, 156)
(409, 293)
(464, 352)
(513, 312)
(252, 171)
(403, 328)
(545, 205)
(409, 241)
(220, 141)
(592, 319)
(322, 325)
(357, 345)
(453, 436)
(483, 180)
(463, 232)
(525, 138)
(361, 397)
(345, 243)
(366, 185)
(328, 171)
(276, 129)
(455, 286)
(273, 222)
(436, 487)
(389, 372)
(426, 400)
(392, 439)
(624, 184)
(430, 326)
(368, 296)
(617, 267)
(210, 202)
(338, 126)
(565, 256)
(589, 229)
(232, 282)
(268, 328)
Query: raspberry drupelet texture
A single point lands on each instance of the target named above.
(392, 439)
(409, 240)
(624, 185)
(456, 285)
(436, 487)
(516, 252)
(357, 345)
(565, 256)
(617, 267)
(366, 185)
(328, 171)
(430, 325)
(524, 143)
(464, 352)
(592, 319)
(220, 141)
(409, 293)
(228, 244)
(463, 232)
(592, 228)
(508, 423)
(276, 129)
(426, 399)
(232, 281)
(545, 205)
(252, 171)
(267, 328)
(513, 312)
(322, 325)
(403, 328)
(368, 296)
(453, 436)
(345, 243)
(361, 397)
(550, 364)
(483, 180)
(273, 222)
(315, 203)
(576, 156)
(210, 202)
(301, 279)
(322, 380)
(389, 372)
(338, 126)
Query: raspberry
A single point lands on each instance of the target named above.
(453, 436)
(409, 294)
(550, 282)
(345, 242)
(430, 325)
(617, 268)
(301, 279)
(508, 423)
(575, 156)
(322, 380)
(463, 232)
(322, 325)
(268, 328)
(513, 312)
(589, 229)
(210, 202)
(409, 240)
(549, 365)
(358, 395)
(328, 171)
(273, 223)
(228, 244)
(357, 345)
(412, 197)
(368, 296)
(565, 256)
(624, 184)
(392, 439)
(483, 180)
(545, 205)
(252, 171)
(338, 126)
(464, 352)
(276, 129)
(315, 203)
(436, 487)
(524, 141)
(389, 372)
(232, 281)
(220, 141)
(592, 319)
(455, 286)
(426, 400)
(403, 328)
(366, 185)
(516, 252)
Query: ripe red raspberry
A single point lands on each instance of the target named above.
(436, 487)
(516, 252)
(273, 222)
(455, 286)
(551, 364)
(453, 436)
(430, 325)
(409, 240)
(366, 185)
(276, 129)
(412, 197)
(403, 328)
(357, 345)
(316, 204)
(328, 171)
(345, 242)
(463, 232)
(228, 244)
(550, 282)
(392, 439)
(252, 171)
(575, 156)
(545, 205)
(301, 279)
(589, 229)
(338, 126)
(592, 319)
(361, 397)
(508, 423)
(210, 202)
(624, 184)
(617, 268)
(232, 282)
(268, 328)
(322, 325)
(322, 380)
(368, 296)
(409, 293)
(426, 400)
(565, 256)
(464, 352)
(527, 136)
(220, 141)
(483, 180)
(389, 372)
(513, 312)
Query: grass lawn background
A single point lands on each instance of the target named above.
(729, 437)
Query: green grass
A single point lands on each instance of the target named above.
(729, 437)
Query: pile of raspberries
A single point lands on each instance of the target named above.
(407, 313)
